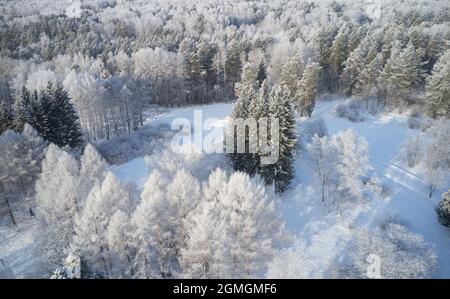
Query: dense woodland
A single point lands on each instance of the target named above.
(78, 75)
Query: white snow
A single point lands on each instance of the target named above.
(321, 236)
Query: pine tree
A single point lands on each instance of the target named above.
(352, 68)
(307, 90)
(52, 114)
(438, 88)
(232, 67)
(250, 75)
(64, 119)
(282, 172)
(367, 81)
(401, 74)
(120, 250)
(6, 119)
(246, 95)
(262, 74)
(338, 55)
(443, 210)
(24, 109)
(291, 74)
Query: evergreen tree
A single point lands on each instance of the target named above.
(443, 210)
(291, 74)
(53, 115)
(232, 66)
(65, 125)
(23, 114)
(352, 68)
(438, 88)
(366, 83)
(262, 74)
(401, 74)
(307, 90)
(250, 75)
(338, 55)
(282, 172)
(6, 119)
(246, 95)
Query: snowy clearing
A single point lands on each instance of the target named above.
(324, 236)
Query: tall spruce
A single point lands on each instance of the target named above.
(281, 173)
(438, 88)
(52, 114)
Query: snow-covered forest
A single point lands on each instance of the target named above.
(102, 176)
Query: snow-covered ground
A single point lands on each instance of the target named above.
(320, 236)
(324, 236)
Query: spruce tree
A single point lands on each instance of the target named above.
(443, 210)
(52, 114)
(352, 67)
(64, 119)
(282, 172)
(23, 109)
(6, 119)
(242, 111)
(438, 88)
(291, 74)
(307, 90)
(366, 83)
(261, 73)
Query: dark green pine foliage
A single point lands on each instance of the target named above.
(64, 121)
(6, 119)
(52, 115)
(282, 172)
(261, 77)
(23, 109)
(243, 161)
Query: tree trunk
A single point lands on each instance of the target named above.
(8, 205)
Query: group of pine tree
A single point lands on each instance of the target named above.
(50, 112)
(256, 101)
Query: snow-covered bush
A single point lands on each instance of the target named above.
(351, 110)
(140, 143)
(443, 210)
(199, 165)
(389, 251)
